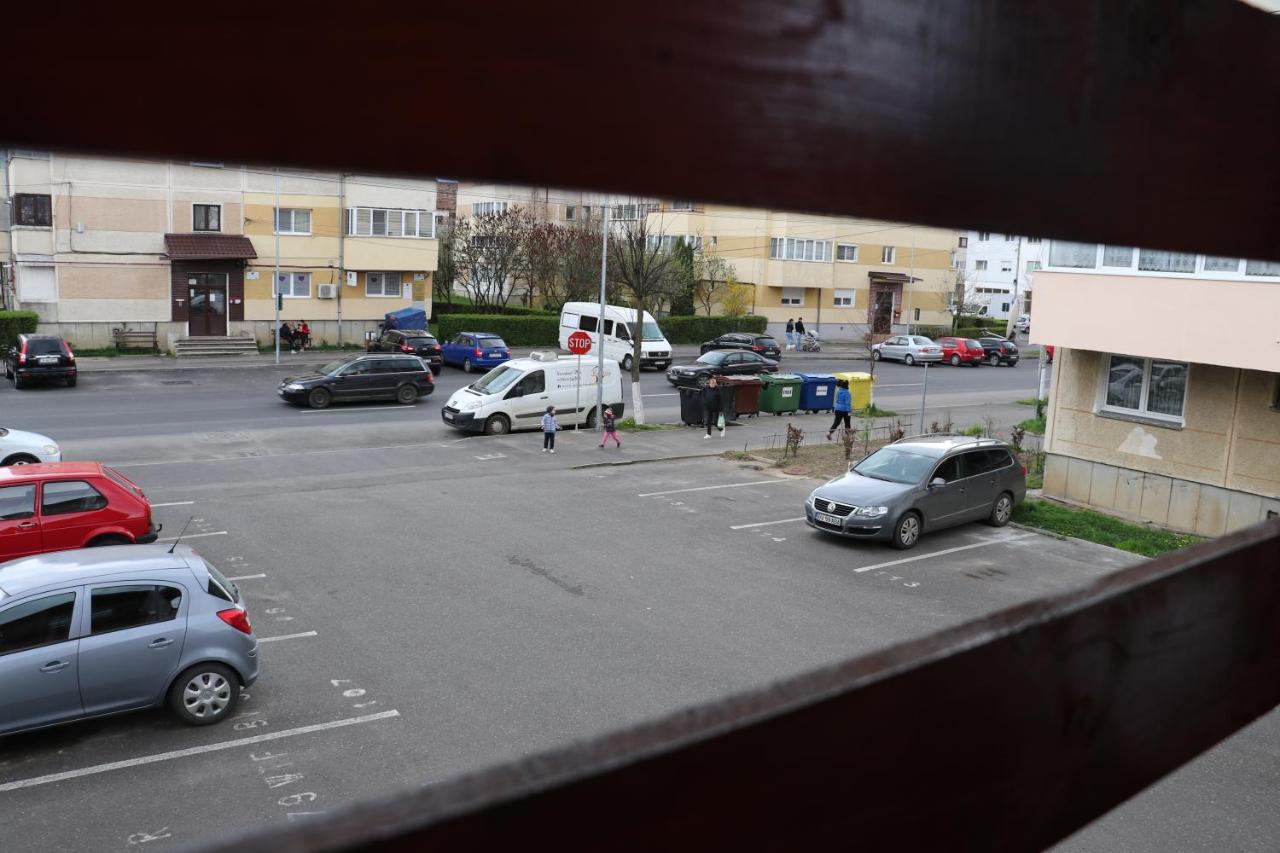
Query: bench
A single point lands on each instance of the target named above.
(134, 339)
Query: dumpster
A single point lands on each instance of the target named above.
(691, 406)
(745, 395)
(781, 392)
(818, 393)
(859, 388)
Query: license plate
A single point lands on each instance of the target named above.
(828, 519)
(448, 416)
(47, 359)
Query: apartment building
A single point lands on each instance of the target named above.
(188, 250)
(1166, 407)
(999, 270)
(564, 207)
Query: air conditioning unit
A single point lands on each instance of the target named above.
(326, 291)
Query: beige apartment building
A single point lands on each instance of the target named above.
(1167, 409)
(188, 250)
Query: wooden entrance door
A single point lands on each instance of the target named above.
(207, 292)
(882, 319)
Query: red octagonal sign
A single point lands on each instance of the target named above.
(579, 343)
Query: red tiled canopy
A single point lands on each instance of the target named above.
(204, 247)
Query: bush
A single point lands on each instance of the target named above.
(696, 330)
(933, 332)
(541, 330)
(440, 308)
(14, 323)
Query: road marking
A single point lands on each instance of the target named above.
(358, 409)
(672, 394)
(905, 385)
(766, 523)
(286, 637)
(247, 577)
(174, 503)
(195, 750)
(192, 536)
(946, 551)
(270, 455)
(708, 488)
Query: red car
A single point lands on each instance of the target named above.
(1049, 353)
(960, 351)
(63, 505)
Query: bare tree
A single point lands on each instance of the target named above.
(446, 271)
(489, 253)
(544, 258)
(713, 275)
(645, 273)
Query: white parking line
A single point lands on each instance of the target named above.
(766, 523)
(672, 394)
(357, 409)
(946, 551)
(192, 536)
(195, 750)
(286, 637)
(174, 503)
(247, 577)
(708, 488)
(903, 385)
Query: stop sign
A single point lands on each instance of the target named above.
(579, 343)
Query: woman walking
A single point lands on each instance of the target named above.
(843, 406)
(549, 428)
(711, 405)
(791, 334)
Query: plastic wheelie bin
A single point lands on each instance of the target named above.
(818, 393)
(691, 406)
(781, 392)
(859, 388)
(745, 392)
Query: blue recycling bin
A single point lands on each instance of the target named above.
(818, 394)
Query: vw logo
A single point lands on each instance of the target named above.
(831, 506)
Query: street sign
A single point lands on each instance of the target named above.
(579, 343)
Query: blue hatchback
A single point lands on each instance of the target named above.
(471, 350)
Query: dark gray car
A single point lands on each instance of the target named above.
(918, 485)
(99, 631)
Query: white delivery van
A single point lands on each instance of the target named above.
(516, 393)
(619, 327)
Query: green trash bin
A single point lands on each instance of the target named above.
(781, 392)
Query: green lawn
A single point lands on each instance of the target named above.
(874, 411)
(1030, 401)
(1033, 425)
(630, 425)
(1103, 529)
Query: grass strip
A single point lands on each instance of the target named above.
(1102, 529)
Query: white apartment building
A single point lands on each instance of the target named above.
(999, 272)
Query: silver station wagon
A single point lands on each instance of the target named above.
(917, 485)
(99, 631)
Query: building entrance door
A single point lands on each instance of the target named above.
(882, 319)
(207, 292)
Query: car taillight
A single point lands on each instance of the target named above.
(479, 352)
(755, 348)
(236, 618)
(1024, 470)
(406, 348)
(22, 356)
(430, 379)
(70, 355)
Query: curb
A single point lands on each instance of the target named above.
(615, 463)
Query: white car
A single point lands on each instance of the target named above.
(1023, 324)
(27, 448)
(908, 349)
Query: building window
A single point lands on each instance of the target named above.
(29, 209)
(793, 296)
(1117, 256)
(846, 252)
(984, 236)
(682, 205)
(1004, 307)
(1262, 268)
(382, 284)
(964, 242)
(632, 211)
(206, 217)
(389, 222)
(844, 298)
(1006, 266)
(570, 211)
(1073, 255)
(887, 254)
(586, 211)
(1149, 387)
(1155, 260)
(980, 266)
(1212, 264)
(293, 220)
(1031, 241)
(1032, 266)
(489, 208)
(790, 249)
(294, 285)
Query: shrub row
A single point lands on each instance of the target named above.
(695, 330)
(441, 308)
(540, 330)
(14, 323)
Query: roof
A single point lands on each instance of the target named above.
(81, 564)
(50, 469)
(482, 334)
(202, 247)
(938, 445)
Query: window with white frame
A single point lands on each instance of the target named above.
(1150, 387)
(791, 249)
(984, 236)
(682, 205)
(1212, 264)
(382, 284)
(570, 211)
(1262, 268)
(846, 252)
(888, 254)
(980, 266)
(844, 298)
(1031, 241)
(1117, 256)
(631, 211)
(793, 296)
(390, 222)
(293, 220)
(964, 242)
(668, 242)
(1073, 255)
(488, 208)
(1155, 260)
(294, 285)
(1032, 266)
(206, 217)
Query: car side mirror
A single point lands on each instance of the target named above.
(937, 481)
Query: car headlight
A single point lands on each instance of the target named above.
(473, 405)
(809, 500)
(870, 511)
(293, 386)
(50, 450)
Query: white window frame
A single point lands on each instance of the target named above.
(792, 299)
(980, 265)
(1142, 413)
(853, 246)
(570, 210)
(888, 254)
(404, 214)
(292, 284)
(216, 204)
(799, 249)
(292, 211)
(399, 294)
(682, 205)
(489, 208)
(844, 298)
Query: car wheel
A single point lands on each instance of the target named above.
(204, 694)
(1001, 510)
(627, 362)
(909, 360)
(8, 371)
(71, 383)
(994, 361)
(591, 418)
(319, 398)
(406, 395)
(18, 381)
(906, 533)
(110, 539)
(497, 425)
(466, 365)
(955, 361)
(875, 355)
(435, 370)
(20, 459)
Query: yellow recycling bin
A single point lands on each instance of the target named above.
(859, 388)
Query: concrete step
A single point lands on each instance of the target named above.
(213, 346)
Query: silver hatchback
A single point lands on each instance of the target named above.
(100, 631)
(918, 485)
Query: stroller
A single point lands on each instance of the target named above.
(809, 343)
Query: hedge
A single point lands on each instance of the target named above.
(542, 330)
(695, 330)
(439, 308)
(14, 323)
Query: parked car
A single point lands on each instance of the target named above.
(40, 358)
(27, 448)
(919, 485)
(470, 350)
(762, 344)
(1023, 324)
(1048, 352)
(720, 363)
(89, 633)
(403, 378)
(61, 505)
(999, 351)
(958, 351)
(908, 349)
(412, 342)
(620, 326)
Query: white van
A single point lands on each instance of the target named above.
(516, 393)
(619, 326)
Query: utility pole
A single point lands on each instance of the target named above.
(911, 280)
(342, 233)
(1013, 305)
(275, 277)
(604, 268)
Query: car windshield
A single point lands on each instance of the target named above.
(766, 342)
(44, 346)
(922, 342)
(420, 342)
(714, 357)
(498, 379)
(895, 465)
(491, 343)
(651, 332)
(973, 344)
(334, 366)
